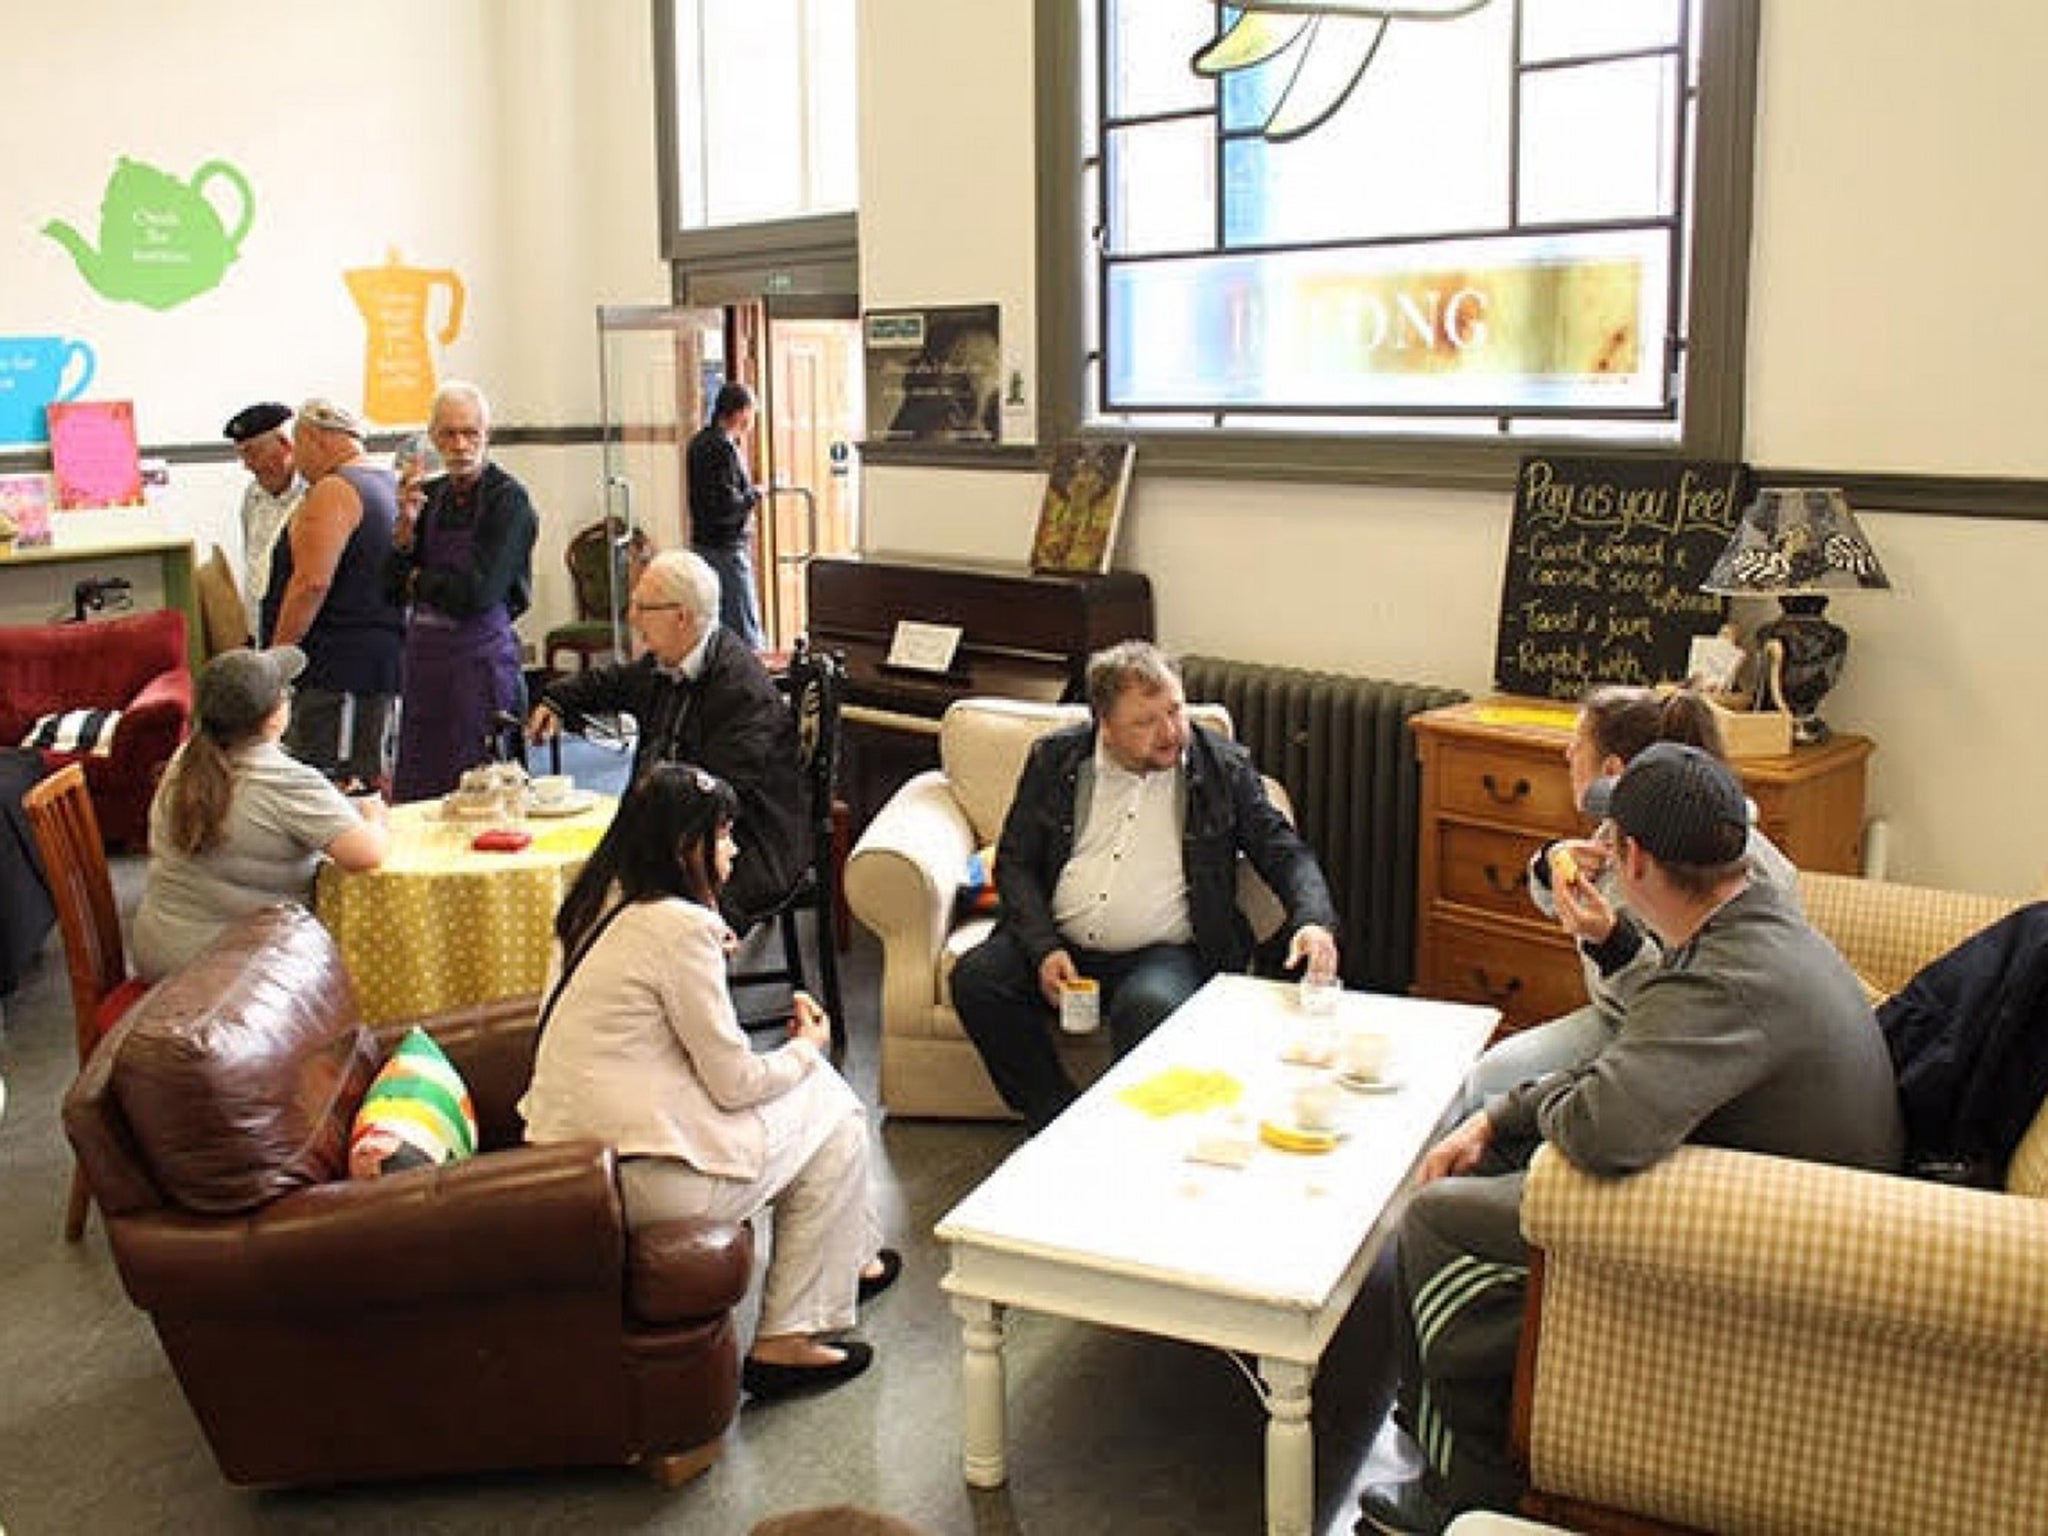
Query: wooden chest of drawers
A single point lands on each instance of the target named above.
(1495, 789)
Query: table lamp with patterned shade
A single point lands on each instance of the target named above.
(1799, 545)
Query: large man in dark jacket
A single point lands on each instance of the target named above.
(1118, 862)
(701, 696)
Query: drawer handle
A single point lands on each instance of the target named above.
(1500, 995)
(1519, 790)
(1510, 887)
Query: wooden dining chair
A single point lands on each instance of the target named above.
(814, 686)
(67, 837)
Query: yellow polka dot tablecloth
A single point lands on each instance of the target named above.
(441, 925)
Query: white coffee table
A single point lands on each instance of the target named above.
(1101, 1217)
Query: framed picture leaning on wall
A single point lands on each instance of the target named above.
(1084, 502)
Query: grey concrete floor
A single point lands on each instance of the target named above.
(1109, 1432)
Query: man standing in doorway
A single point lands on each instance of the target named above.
(722, 502)
(328, 597)
(264, 445)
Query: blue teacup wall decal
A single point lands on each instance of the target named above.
(34, 371)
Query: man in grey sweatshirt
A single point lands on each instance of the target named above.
(1753, 1033)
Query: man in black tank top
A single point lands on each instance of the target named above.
(328, 597)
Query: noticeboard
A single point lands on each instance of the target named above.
(1604, 566)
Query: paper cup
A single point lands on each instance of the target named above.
(1080, 1007)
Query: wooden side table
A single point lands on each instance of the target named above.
(1495, 789)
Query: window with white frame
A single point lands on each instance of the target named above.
(1468, 218)
(765, 124)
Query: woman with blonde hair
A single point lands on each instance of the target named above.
(236, 823)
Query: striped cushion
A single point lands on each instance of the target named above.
(416, 1114)
(75, 730)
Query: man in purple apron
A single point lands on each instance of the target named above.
(463, 558)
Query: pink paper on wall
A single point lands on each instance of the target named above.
(25, 502)
(94, 453)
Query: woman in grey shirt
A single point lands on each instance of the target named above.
(236, 823)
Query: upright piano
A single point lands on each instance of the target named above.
(1023, 636)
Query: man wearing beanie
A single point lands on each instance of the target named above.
(1752, 1034)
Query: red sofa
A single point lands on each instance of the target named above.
(135, 664)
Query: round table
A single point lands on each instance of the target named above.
(440, 925)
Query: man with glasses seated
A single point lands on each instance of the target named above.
(701, 696)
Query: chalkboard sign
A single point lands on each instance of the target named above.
(1603, 571)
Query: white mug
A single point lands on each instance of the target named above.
(553, 788)
(1365, 1054)
(1315, 1106)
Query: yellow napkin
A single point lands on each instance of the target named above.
(1182, 1091)
(570, 839)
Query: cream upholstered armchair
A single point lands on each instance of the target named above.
(903, 881)
(1735, 1343)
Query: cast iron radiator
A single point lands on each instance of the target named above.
(1340, 746)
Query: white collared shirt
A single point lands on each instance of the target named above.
(263, 519)
(1124, 886)
(691, 667)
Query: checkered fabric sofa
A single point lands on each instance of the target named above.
(1734, 1343)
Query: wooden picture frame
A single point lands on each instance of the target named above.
(1085, 491)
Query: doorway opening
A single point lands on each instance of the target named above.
(801, 354)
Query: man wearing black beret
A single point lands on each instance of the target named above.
(265, 449)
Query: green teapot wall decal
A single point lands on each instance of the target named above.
(162, 240)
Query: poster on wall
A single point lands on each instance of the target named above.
(162, 241)
(397, 304)
(25, 510)
(94, 454)
(934, 375)
(1605, 560)
(1084, 502)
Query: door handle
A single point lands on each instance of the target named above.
(804, 556)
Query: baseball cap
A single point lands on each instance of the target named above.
(1685, 806)
(334, 418)
(238, 689)
(255, 420)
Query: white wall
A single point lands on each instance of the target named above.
(1895, 190)
(1895, 325)
(509, 140)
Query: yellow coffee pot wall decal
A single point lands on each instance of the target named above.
(398, 362)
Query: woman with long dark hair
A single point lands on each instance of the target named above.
(236, 823)
(640, 1048)
(1615, 723)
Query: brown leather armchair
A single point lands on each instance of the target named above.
(490, 1313)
